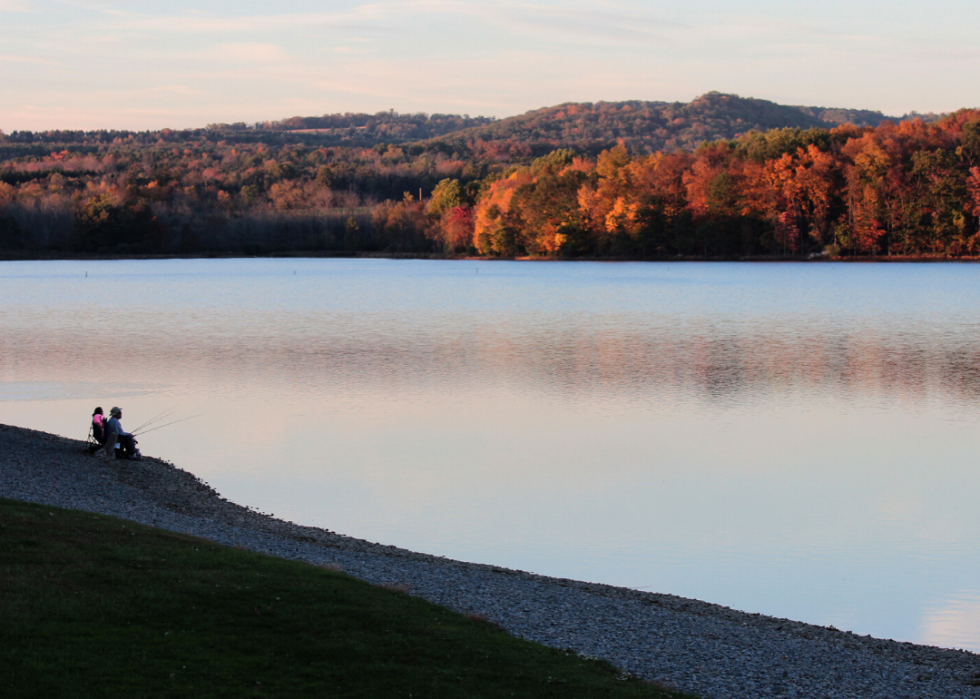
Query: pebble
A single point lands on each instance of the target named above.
(685, 644)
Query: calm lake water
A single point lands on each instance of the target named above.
(799, 440)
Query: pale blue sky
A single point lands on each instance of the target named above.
(80, 64)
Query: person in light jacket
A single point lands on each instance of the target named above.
(115, 433)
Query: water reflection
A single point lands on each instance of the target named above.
(710, 364)
(797, 440)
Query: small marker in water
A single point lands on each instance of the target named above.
(86, 273)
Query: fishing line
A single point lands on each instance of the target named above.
(160, 416)
(160, 427)
(149, 422)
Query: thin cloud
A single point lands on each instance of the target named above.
(171, 90)
(207, 24)
(605, 26)
(606, 23)
(757, 32)
(244, 52)
(29, 59)
(955, 54)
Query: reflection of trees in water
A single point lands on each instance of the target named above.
(962, 371)
(720, 364)
(710, 361)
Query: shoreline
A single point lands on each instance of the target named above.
(14, 256)
(687, 644)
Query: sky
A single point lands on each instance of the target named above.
(149, 65)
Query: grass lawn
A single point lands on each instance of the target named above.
(94, 606)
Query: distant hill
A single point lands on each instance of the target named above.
(653, 126)
(585, 126)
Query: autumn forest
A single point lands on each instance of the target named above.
(727, 179)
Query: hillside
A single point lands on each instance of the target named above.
(656, 126)
(586, 126)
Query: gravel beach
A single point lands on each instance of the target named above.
(706, 649)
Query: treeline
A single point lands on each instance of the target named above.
(907, 188)
(899, 189)
(354, 129)
(389, 127)
(201, 196)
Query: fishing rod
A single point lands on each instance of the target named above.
(149, 422)
(137, 434)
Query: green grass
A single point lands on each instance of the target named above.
(93, 606)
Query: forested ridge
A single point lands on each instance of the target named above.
(647, 127)
(720, 177)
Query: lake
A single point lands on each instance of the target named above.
(799, 440)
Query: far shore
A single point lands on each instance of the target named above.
(687, 644)
(18, 256)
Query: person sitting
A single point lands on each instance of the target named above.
(115, 433)
(98, 430)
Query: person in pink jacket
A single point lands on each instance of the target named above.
(98, 429)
